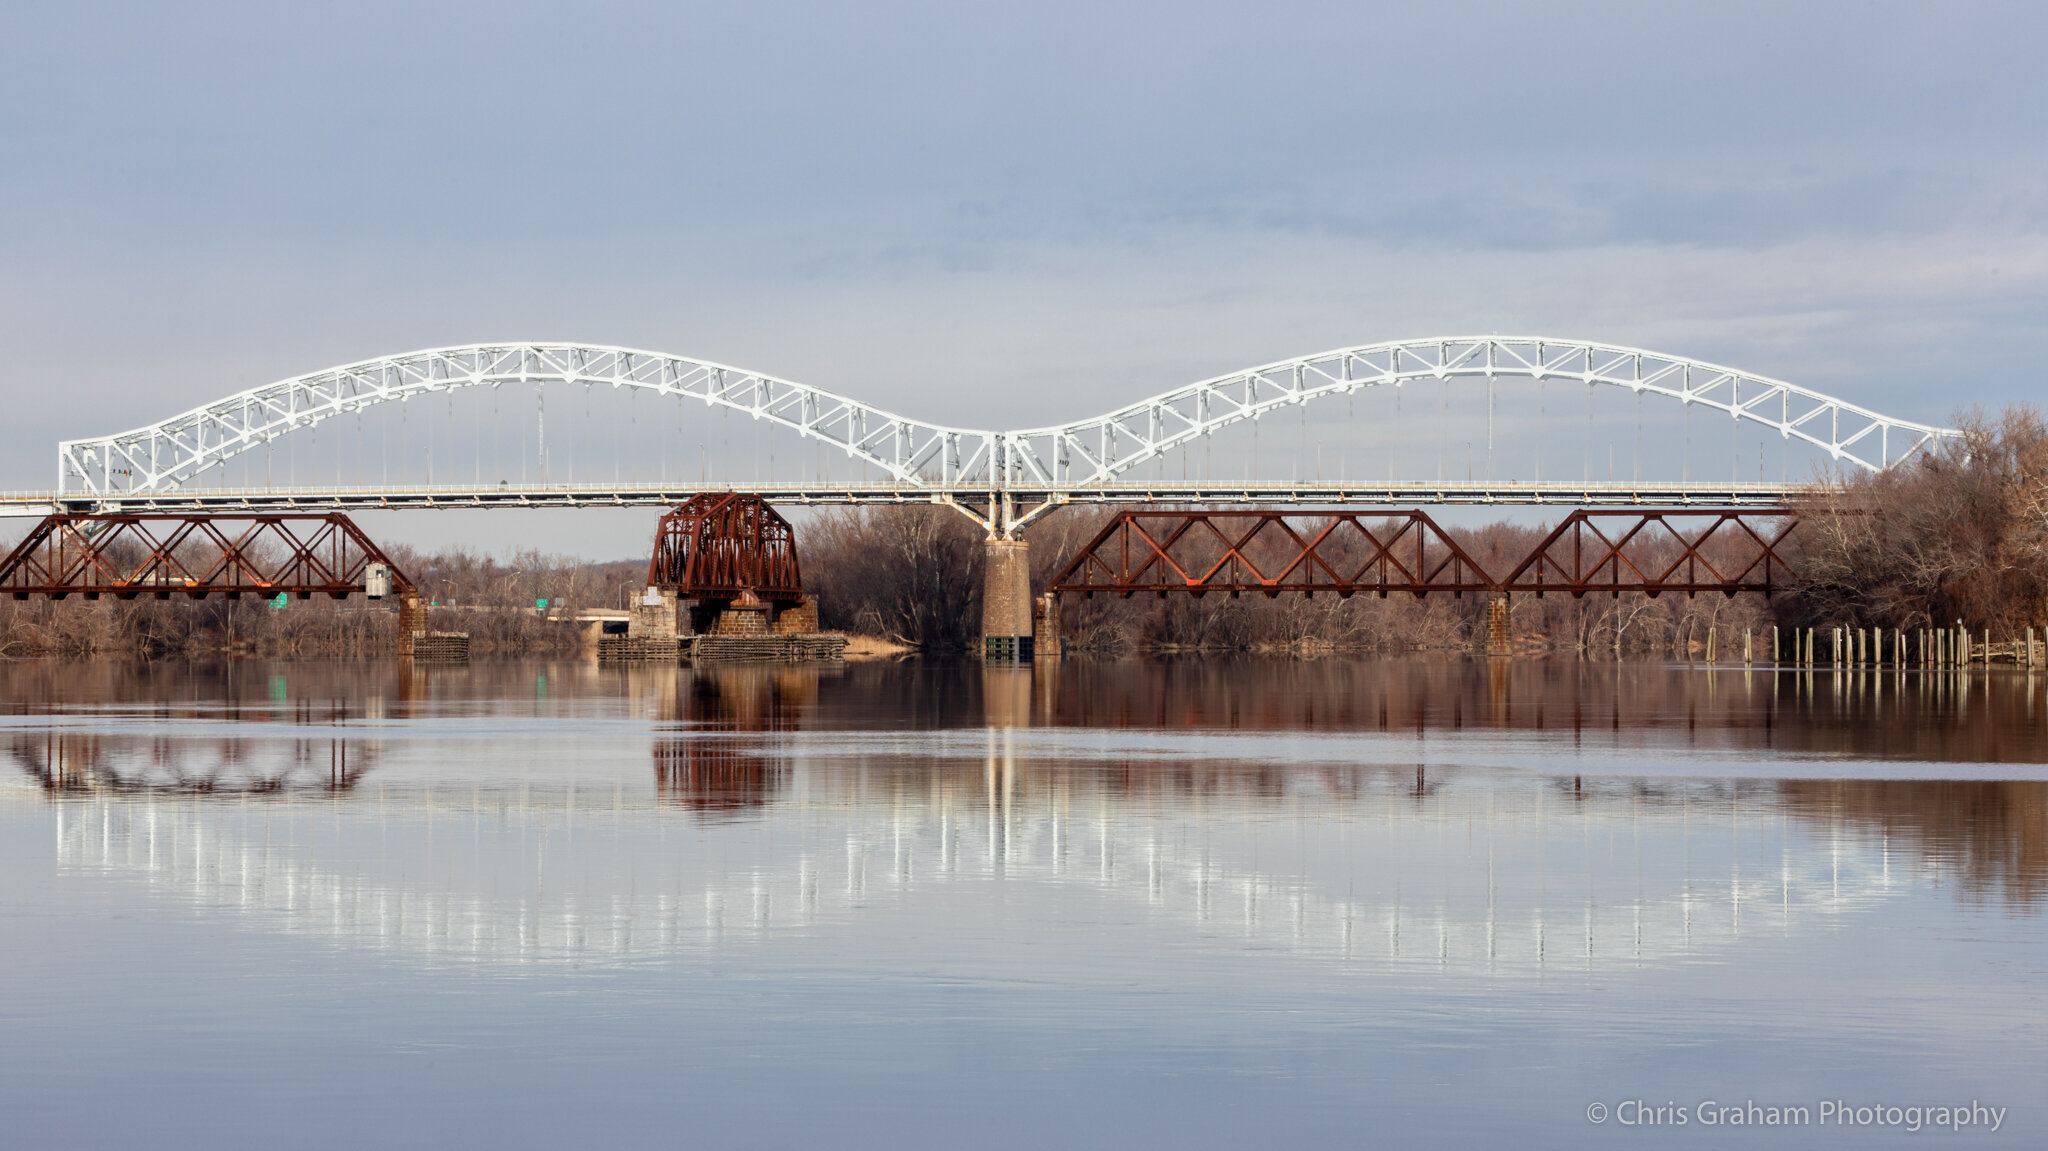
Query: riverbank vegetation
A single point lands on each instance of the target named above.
(908, 574)
(1957, 536)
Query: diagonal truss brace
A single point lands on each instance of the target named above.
(131, 555)
(1344, 552)
(1654, 552)
(1347, 552)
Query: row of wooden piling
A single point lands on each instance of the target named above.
(1889, 647)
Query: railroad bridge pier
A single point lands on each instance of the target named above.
(1006, 605)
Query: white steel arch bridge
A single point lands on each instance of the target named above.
(1003, 478)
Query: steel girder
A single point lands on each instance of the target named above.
(1356, 493)
(160, 555)
(1613, 551)
(1262, 551)
(922, 456)
(1269, 551)
(724, 545)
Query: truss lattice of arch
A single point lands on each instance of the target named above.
(169, 454)
(1098, 450)
(166, 455)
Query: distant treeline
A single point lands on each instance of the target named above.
(1958, 535)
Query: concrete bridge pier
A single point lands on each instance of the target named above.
(658, 613)
(1006, 631)
(1500, 637)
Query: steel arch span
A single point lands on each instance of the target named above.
(941, 459)
(1099, 450)
(168, 454)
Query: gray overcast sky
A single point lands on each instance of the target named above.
(1008, 214)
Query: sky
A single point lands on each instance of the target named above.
(1006, 215)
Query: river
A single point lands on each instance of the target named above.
(1092, 904)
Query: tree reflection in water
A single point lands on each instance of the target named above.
(726, 743)
(1988, 838)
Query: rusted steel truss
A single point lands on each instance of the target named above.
(1344, 552)
(1347, 552)
(163, 554)
(1615, 551)
(721, 545)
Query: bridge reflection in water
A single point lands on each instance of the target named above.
(95, 764)
(1289, 830)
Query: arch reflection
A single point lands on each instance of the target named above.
(1365, 814)
(1346, 866)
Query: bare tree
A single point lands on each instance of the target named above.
(1960, 534)
(912, 573)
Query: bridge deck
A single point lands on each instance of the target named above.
(1376, 494)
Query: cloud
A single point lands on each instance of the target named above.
(1002, 215)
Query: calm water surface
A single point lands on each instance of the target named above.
(1101, 904)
